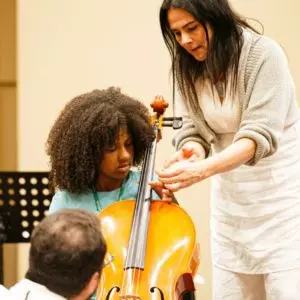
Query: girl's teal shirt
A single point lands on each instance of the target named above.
(63, 199)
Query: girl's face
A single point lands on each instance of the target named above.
(116, 162)
(189, 33)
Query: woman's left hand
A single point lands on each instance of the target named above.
(183, 174)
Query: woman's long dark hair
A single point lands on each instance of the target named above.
(224, 49)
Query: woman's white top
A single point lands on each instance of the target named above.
(255, 221)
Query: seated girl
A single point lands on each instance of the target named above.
(94, 143)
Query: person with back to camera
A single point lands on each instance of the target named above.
(241, 128)
(66, 258)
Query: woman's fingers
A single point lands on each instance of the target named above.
(174, 187)
(172, 171)
(176, 172)
(156, 185)
(172, 179)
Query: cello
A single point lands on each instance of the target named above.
(151, 245)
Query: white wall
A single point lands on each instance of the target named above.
(73, 46)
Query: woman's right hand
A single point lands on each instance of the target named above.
(191, 151)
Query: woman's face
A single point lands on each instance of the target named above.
(116, 162)
(189, 33)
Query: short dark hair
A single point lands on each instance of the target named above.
(67, 248)
(223, 51)
(89, 124)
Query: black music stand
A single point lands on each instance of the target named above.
(24, 201)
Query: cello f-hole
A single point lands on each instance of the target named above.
(115, 288)
(154, 289)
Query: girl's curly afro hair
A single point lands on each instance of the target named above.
(86, 126)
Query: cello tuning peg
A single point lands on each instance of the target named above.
(159, 105)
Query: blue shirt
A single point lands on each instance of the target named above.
(129, 189)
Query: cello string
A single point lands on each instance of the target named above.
(136, 275)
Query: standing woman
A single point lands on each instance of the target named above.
(241, 127)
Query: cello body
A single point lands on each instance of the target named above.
(169, 260)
